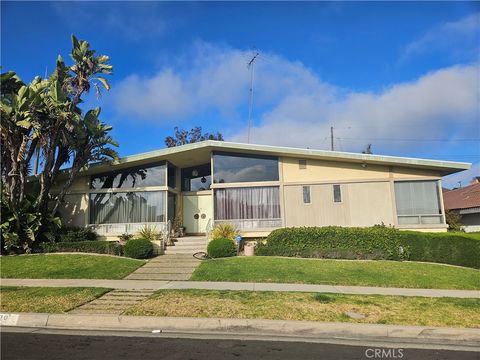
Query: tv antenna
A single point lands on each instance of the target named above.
(251, 67)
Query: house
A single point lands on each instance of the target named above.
(258, 188)
(466, 202)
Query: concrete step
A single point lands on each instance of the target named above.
(97, 311)
(166, 270)
(186, 247)
(172, 277)
(171, 265)
(183, 251)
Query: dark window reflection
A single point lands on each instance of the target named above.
(229, 168)
(130, 207)
(151, 175)
(171, 176)
(196, 178)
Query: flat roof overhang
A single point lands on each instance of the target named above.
(199, 153)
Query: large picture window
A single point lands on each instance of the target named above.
(228, 168)
(141, 176)
(129, 207)
(247, 203)
(417, 202)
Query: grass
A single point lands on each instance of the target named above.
(63, 266)
(338, 272)
(46, 299)
(312, 306)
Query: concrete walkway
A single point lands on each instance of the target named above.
(157, 285)
(166, 267)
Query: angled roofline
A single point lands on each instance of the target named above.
(445, 167)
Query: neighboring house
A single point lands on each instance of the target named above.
(258, 188)
(466, 202)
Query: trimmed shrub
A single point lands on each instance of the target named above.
(75, 234)
(98, 247)
(218, 248)
(224, 231)
(377, 242)
(138, 249)
(447, 248)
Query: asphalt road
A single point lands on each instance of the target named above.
(26, 346)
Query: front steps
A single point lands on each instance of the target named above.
(169, 267)
(187, 245)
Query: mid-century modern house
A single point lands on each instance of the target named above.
(258, 188)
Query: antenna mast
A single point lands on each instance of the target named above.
(251, 67)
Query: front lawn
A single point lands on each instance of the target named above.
(338, 272)
(46, 300)
(312, 306)
(67, 266)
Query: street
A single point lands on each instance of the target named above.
(37, 346)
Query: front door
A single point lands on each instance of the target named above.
(197, 210)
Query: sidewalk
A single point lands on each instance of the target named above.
(157, 285)
(281, 330)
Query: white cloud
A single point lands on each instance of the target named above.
(457, 39)
(294, 107)
(426, 108)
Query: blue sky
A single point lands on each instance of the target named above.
(402, 76)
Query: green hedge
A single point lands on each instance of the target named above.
(76, 234)
(99, 247)
(218, 248)
(377, 242)
(138, 248)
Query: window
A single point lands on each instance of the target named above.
(417, 202)
(228, 168)
(129, 207)
(302, 164)
(306, 194)
(171, 176)
(337, 193)
(140, 176)
(196, 178)
(247, 203)
(172, 206)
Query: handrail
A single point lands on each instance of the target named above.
(208, 229)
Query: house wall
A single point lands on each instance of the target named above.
(74, 210)
(368, 195)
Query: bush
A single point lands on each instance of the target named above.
(76, 234)
(221, 247)
(454, 220)
(98, 247)
(138, 249)
(149, 233)
(378, 242)
(125, 237)
(447, 248)
(224, 231)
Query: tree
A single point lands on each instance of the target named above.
(368, 149)
(183, 137)
(45, 116)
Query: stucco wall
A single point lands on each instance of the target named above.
(363, 204)
(319, 170)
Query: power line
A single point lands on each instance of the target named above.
(398, 139)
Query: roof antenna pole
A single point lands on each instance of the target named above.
(332, 147)
(251, 67)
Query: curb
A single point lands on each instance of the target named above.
(294, 330)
